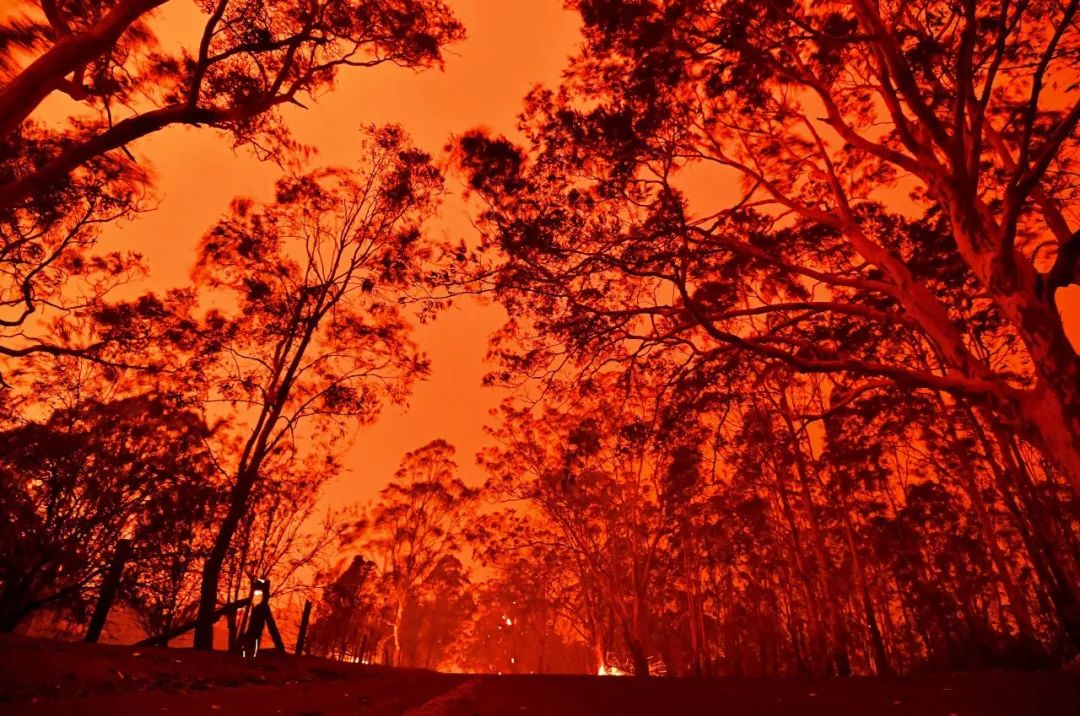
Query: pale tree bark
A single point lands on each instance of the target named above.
(819, 653)
(837, 629)
(399, 623)
(22, 95)
(945, 155)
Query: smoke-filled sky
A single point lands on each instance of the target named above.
(511, 46)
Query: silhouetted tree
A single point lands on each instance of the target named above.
(60, 182)
(597, 473)
(351, 618)
(75, 483)
(530, 616)
(415, 530)
(317, 339)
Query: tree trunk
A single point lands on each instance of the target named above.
(1017, 602)
(637, 652)
(1051, 411)
(211, 574)
(1053, 418)
(817, 639)
(9, 621)
(638, 656)
(837, 629)
(27, 89)
(693, 609)
(233, 634)
(12, 604)
(1036, 531)
(399, 621)
(881, 657)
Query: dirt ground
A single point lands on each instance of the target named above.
(47, 677)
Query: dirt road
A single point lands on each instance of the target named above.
(47, 678)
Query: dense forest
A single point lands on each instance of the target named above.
(786, 383)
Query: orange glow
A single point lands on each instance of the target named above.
(510, 47)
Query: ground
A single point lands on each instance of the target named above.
(47, 677)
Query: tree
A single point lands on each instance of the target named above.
(56, 306)
(825, 114)
(350, 622)
(162, 589)
(808, 529)
(839, 230)
(59, 185)
(317, 337)
(283, 536)
(598, 474)
(437, 616)
(73, 484)
(532, 615)
(48, 270)
(249, 60)
(416, 529)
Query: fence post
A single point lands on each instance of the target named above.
(303, 627)
(271, 626)
(109, 586)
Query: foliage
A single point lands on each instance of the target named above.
(77, 482)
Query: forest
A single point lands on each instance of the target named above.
(787, 377)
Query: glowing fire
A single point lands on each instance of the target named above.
(610, 671)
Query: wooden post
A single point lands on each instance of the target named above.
(275, 635)
(109, 586)
(304, 618)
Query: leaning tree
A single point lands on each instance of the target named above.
(307, 330)
(876, 191)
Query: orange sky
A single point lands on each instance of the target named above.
(511, 45)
